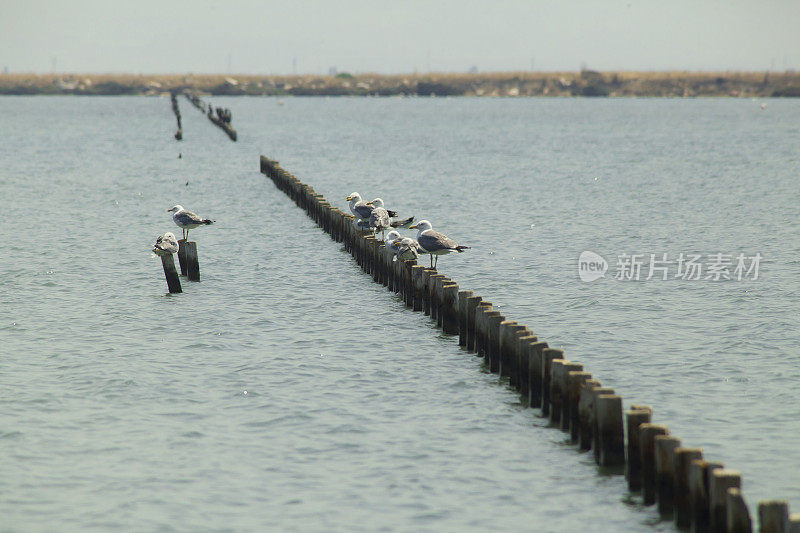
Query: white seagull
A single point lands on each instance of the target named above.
(187, 220)
(434, 243)
(165, 244)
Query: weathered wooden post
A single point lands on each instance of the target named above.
(593, 395)
(633, 469)
(433, 295)
(449, 299)
(683, 500)
(586, 413)
(418, 282)
(507, 343)
(548, 355)
(608, 409)
(564, 389)
(556, 368)
(773, 516)
(647, 441)
(699, 493)
(462, 316)
(665, 446)
(482, 313)
(576, 380)
(722, 479)
(173, 281)
(408, 286)
(738, 519)
(472, 304)
(524, 362)
(187, 256)
(493, 342)
(535, 377)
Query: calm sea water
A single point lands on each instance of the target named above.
(287, 391)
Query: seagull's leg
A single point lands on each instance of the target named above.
(436, 264)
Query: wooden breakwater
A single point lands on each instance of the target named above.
(222, 118)
(697, 494)
(175, 109)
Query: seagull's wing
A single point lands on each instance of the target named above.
(432, 241)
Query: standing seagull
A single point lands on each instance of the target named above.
(379, 218)
(187, 220)
(359, 207)
(165, 244)
(434, 243)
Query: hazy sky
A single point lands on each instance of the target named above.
(271, 37)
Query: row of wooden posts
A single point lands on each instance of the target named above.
(190, 265)
(222, 120)
(698, 494)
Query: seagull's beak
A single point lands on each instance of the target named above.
(413, 227)
(349, 198)
(370, 203)
(170, 210)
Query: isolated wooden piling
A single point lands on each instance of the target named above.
(683, 501)
(721, 480)
(173, 281)
(647, 441)
(187, 256)
(576, 379)
(449, 297)
(608, 409)
(633, 466)
(547, 357)
(472, 303)
(586, 413)
(665, 446)
(738, 519)
(773, 516)
(462, 316)
(535, 377)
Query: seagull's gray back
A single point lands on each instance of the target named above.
(187, 218)
(363, 210)
(432, 241)
(379, 219)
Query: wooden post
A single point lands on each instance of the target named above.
(794, 523)
(482, 311)
(173, 281)
(593, 395)
(585, 413)
(665, 446)
(548, 355)
(426, 299)
(722, 479)
(611, 434)
(633, 470)
(556, 368)
(190, 258)
(472, 303)
(182, 256)
(773, 516)
(523, 362)
(647, 441)
(576, 379)
(738, 518)
(535, 377)
(462, 316)
(564, 389)
(449, 313)
(506, 346)
(418, 282)
(683, 500)
(699, 493)
(493, 342)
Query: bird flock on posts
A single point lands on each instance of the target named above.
(373, 217)
(167, 244)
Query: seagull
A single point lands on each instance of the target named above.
(404, 248)
(379, 218)
(377, 202)
(434, 243)
(165, 245)
(187, 220)
(359, 207)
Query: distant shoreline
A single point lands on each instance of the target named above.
(500, 84)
